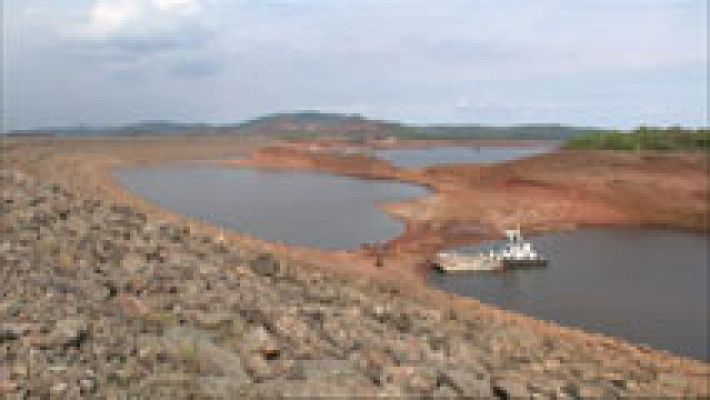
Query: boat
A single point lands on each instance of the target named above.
(516, 254)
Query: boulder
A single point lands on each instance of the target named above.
(259, 340)
(411, 379)
(265, 264)
(511, 388)
(69, 332)
(467, 383)
(196, 348)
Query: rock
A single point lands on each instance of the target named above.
(59, 389)
(258, 368)
(132, 262)
(170, 384)
(290, 326)
(446, 392)
(322, 293)
(7, 386)
(265, 264)
(259, 340)
(324, 370)
(203, 354)
(87, 386)
(217, 387)
(10, 332)
(672, 379)
(511, 388)
(597, 390)
(310, 389)
(57, 368)
(11, 308)
(132, 305)
(214, 320)
(413, 380)
(373, 362)
(467, 383)
(69, 332)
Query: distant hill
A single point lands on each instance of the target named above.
(313, 123)
(308, 124)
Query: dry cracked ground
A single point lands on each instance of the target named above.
(99, 301)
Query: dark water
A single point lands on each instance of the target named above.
(306, 209)
(650, 287)
(417, 158)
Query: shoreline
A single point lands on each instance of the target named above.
(368, 168)
(111, 189)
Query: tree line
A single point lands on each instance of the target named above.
(644, 138)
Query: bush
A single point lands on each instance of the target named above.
(644, 138)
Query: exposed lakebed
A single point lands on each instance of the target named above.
(297, 208)
(417, 158)
(650, 287)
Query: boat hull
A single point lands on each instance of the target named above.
(465, 263)
(521, 264)
(462, 263)
(517, 254)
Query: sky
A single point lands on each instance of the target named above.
(606, 63)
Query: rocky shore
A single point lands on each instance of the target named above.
(99, 300)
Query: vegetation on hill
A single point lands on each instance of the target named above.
(644, 138)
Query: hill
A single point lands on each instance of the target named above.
(307, 124)
(314, 123)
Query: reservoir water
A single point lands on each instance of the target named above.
(650, 287)
(306, 209)
(418, 158)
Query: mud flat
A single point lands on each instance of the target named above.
(106, 293)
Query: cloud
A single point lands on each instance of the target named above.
(123, 29)
(497, 61)
(110, 17)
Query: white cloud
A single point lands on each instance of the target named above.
(127, 32)
(108, 18)
(180, 6)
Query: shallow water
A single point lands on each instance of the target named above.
(306, 209)
(650, 287)
(417, 158)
